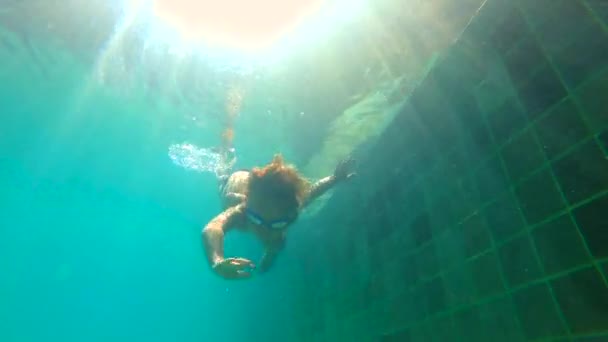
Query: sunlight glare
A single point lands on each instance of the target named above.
(240, 24)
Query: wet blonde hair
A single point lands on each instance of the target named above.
(279, 182)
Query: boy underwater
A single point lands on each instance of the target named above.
(265, 201)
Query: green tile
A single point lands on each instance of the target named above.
(467, 323)
(485, 330)
(541, 92)
(476, 235)
(435, 183)
(380, 226)
(424, 159)
(599, 338)
(457, 161)
(426, 260)
(523, 60)
(421, 332)
(490, 95)
(539, 197)
(485, 21)
(565, 23)
(559, 245)
(428, 99)
(376, 259)
(537, 312)
(510, 29)
(591, 219)
(522, 155)
(466, 197)
(479, 142)
(399, 336)
(459, 286)
(443, 328)
(421, 229)
(419, 305)
(604, 141)
(435, 295)
(443, 217)
(373, 290)
(574, 66)
(592, 97)
(491, 180)
(536, 11)
(501, 319)
(461, 69)
(401, 308)
(600, 8)
(583, 172)
(493, 321)
(506, 120)
(486, 274)
(519, 262)
(504, 217)
(583, 299)
(449, 252)
(560, 129)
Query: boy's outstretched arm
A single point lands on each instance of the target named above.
(320, 187)
(343, 171)
(213, 242)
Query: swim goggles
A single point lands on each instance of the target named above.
(256, 219)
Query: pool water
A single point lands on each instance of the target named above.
(480, 131)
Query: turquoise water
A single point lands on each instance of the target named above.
(99, 230)
(482, 141)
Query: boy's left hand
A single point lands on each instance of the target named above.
(345, 169)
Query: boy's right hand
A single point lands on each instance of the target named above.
(234, 268)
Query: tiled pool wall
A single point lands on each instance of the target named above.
(481, 213)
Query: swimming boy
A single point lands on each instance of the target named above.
(264, 201)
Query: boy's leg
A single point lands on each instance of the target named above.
(223, 172)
